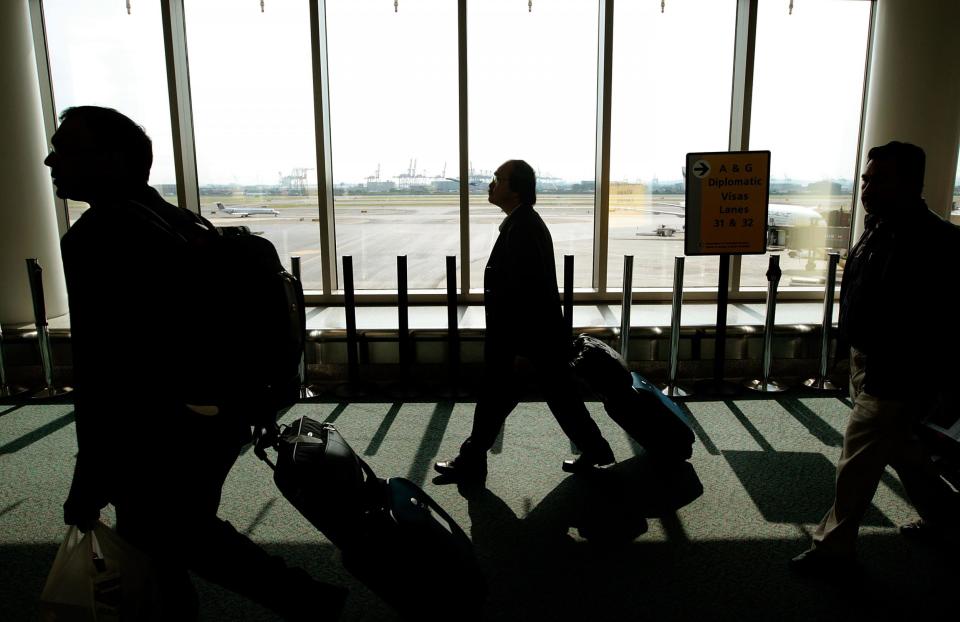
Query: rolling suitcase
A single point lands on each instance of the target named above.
(650, 418)
(392, 535)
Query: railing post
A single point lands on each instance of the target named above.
(7, 390)
(765, 384)
(35, 276)
(568, 293)
(402, 389)
(307, 391)
(453, 330)
(353, 387)
(821, 382)
(625, 304)
(672, 390)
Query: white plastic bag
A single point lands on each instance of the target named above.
(97, 577)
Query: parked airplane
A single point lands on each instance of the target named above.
(243, 212)
(779, 216)
(782, 215)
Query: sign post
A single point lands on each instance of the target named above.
(727, 196)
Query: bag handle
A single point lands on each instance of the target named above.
(264, 437)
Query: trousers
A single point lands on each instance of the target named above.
(168, 510)
(880, 433)
(500, 394)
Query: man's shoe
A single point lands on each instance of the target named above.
(462, 469)
(587, 462)
(813, 562)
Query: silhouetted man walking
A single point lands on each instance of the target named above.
(523, 318)
(904, 244)
(160, 462)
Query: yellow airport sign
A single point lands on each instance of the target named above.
(726, 203)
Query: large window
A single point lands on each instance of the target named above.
(806, 111)
(394, 124)
(393, 75)
(533, 97)
(672, 72)
(251, 83)
(101, 56)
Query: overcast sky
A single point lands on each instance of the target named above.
(532, 84)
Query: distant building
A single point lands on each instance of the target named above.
(374, 185)
(823, 187)
(445, 185)
(624, 187)
(587, 185)
(784, 187)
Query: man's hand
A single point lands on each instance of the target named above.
(84, 516)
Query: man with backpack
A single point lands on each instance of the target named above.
(144, 445)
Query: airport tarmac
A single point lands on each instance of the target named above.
(375, 229)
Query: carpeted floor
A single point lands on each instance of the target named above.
(611, 546)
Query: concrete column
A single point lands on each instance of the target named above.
(28, 221)
(913, 93)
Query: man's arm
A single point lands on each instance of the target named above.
(532, 279)
(88, 492)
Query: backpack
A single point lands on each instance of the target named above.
(240, 332)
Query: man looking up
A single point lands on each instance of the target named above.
(160, 462)
(523, 318)
(903, 244)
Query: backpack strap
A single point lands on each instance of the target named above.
(159, 221)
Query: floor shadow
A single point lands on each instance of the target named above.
(262, 514)
(557, 578)
(7, 409)
(608, 506)
(817, 427)
(422, 462)
(537, 571)
(336, 412)
(809, 478)
(699, 431)
(32, 437)
(382, 431)
(748, 426)
(612, 505)
(11, 507)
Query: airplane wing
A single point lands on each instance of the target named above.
(663, 209)
(472, 183)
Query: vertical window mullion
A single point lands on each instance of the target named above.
(601, 223)
(47, 102)
(741, 97)
(464, 148)
(855, 222)
(181, 109)
(321, 101)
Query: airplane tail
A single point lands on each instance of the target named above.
(219, 206)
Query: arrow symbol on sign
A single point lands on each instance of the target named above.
(701, 168)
